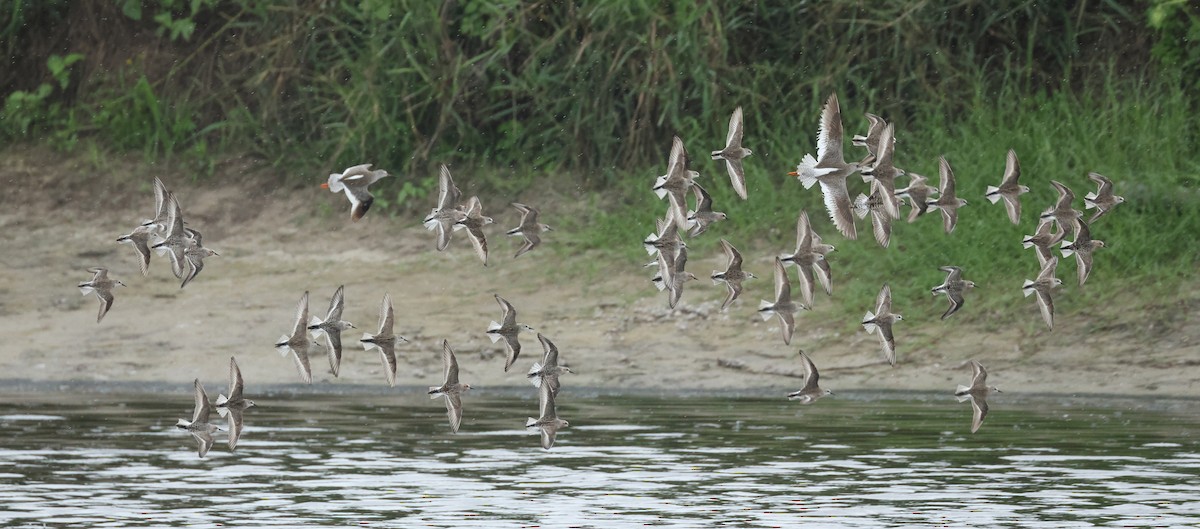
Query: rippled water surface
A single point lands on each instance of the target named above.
(859, 460)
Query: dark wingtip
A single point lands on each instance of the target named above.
(361, 209)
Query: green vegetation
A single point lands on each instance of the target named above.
(514, 92)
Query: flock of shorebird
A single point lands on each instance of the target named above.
(883, 203)
(167, 234)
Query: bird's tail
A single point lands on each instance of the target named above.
(717, 276)
(492, 327)
(530, 422)
(435, 392)
(961, 391)
(335, 183)
(534, 377)
(993, 194)
(658, 189)
(860, 206)
(1027, 288)
(806, 171)
(367, 341)
(869, 322)
(314, 326)
(1027, 243)
(1067, 250)
(766, 309)
(1089, 200)
(867, 175)
(85, 290)
(430, 222)
(648, 243)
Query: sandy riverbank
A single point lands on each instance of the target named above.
(615, 330)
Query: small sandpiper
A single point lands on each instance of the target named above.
(1043, 240)
(354, 182)
(675, 184)
(783, 306)
(161, 200)
(548, 422)
(953, 287)
(232, 406)
(385, 339)
(885, 172)
(733, 274)
(871, 140)
(880, 322)
(1103, 200)
(142, 238)
(474, 221)
(811, 391)
(529, 228)
(977, 393)
(446, 214)
(199, 426)
(733, 153)
(174, 241)
(546, 372)
(508, 330)
(948, 202)
(918, 193)
(673, 274)
(824, 274)
(876, 205)
(704, 215)
(298, 343)
(1082, 248)
(1063, 213)
(451, 388)
(1041, 286)
(332, 327)
(194, 253)
(806, 259)
(102, 286)
(665, 238)
(1009, 191)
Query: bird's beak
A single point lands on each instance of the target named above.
(793, 173)
(325, 185)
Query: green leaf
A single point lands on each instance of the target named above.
(132, 9)
(58, 67)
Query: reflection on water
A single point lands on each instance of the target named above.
(849, 461)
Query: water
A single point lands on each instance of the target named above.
(857, 460)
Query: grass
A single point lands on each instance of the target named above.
(1059, 136)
